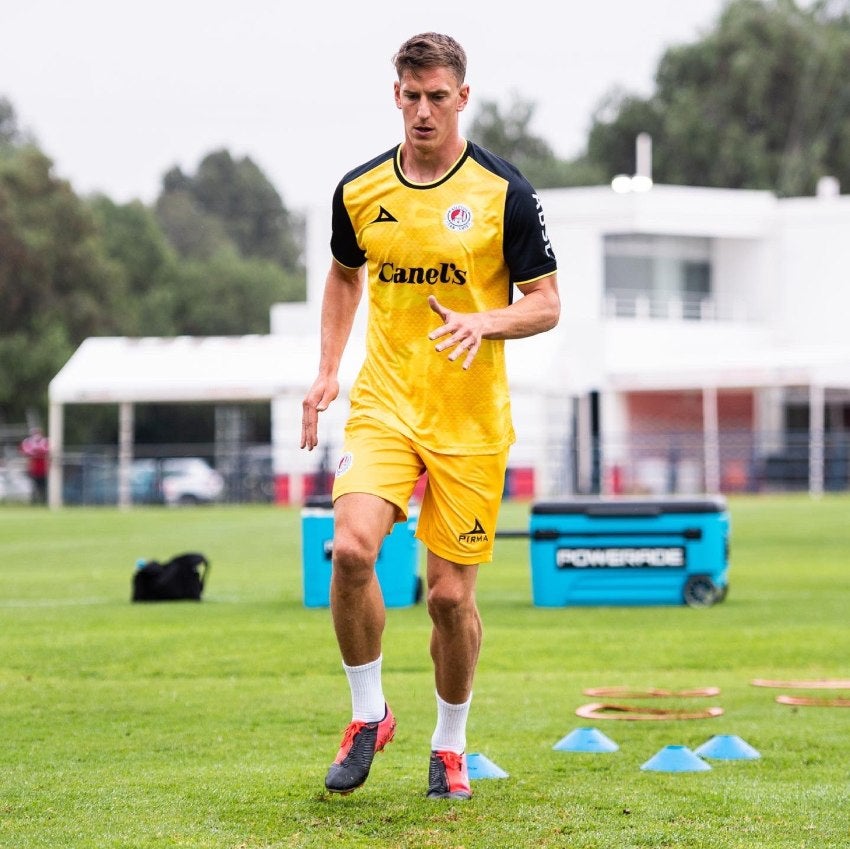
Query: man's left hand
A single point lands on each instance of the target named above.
(463, 331)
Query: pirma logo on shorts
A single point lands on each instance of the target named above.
(477, 534)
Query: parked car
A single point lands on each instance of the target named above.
(175, 480)
(89, 479)
(14, 484)
(145, 482)
(189, 480)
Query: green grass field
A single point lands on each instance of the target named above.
(212, 724)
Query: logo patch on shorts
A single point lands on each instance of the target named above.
(345, 463)
(477, 534)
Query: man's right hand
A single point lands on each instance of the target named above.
(318, 399)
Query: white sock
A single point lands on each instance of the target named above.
(450, 733)
(367, 694)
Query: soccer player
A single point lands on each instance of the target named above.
(438, 231)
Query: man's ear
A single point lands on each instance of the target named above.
(463, 97)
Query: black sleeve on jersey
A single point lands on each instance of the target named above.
(526, 246)
(344, 247)
(525, 243)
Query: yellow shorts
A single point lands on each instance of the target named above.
(460, 507)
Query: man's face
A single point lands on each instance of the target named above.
(430, 102)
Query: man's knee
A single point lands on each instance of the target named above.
(450, 602)
(354, 557)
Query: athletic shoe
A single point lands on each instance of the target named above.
(353, 761)
(447, 776)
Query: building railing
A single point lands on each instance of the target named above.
(684, 308)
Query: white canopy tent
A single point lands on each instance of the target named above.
(125, 371)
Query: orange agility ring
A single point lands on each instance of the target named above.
(810, 701)
(651, 693)
(820, 684)
(606, 710)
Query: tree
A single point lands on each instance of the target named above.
(145, 263)
(192, 232)
(56, 285)
(219, 249)
(614, 152)
(762, 102)
(236, 199)
(229, 295)
(9, 131)
(508, 134)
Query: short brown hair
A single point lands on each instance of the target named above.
(431, 50)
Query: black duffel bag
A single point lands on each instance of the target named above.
(181, 578)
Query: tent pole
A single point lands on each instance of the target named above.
(816, 439)
(584, 458)
(55, 433)
(711, 439)
(125, 453)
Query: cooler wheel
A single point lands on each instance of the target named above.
(701, 591)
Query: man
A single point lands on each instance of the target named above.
(438, 230)
(36, 449)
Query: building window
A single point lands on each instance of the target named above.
(649, 276)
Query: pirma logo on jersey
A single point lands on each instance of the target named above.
(459, 217)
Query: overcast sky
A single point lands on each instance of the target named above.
(116, 93)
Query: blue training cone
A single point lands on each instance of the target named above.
(586, 740)
(727, 747)
(480, 766)
(676, 759)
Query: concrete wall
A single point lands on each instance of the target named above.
(813, 258)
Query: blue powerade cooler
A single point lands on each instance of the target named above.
(629, 552)
(397, 566)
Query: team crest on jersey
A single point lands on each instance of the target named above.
(459, 217)
(344, 464)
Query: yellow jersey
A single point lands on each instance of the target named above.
(466, 239)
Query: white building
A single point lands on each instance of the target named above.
(699, 328)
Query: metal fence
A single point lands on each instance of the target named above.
(169, 474)
(674, 462)
(662, 463)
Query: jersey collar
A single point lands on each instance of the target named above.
(447, 176)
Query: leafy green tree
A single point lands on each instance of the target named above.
(507, 132)
(249, 212)
(10, 133)
(614, 152)
(193, 232)
(56, 285)
(145, 262)
(763, 101)
(229, 295)
(241, 196)
(212, 257)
